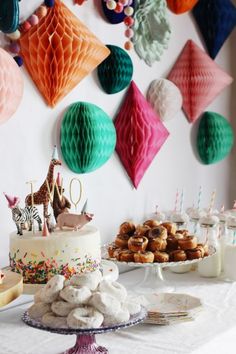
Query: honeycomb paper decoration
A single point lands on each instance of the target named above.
(88, 137)
(112, 16)
(11, 86)
(215, 138)
(216, 20)
(9, 15)
(59, 52)
(165, 98)
(140, 134)
(199, 79)
(181, 6)
(152, 30)
(116, 71)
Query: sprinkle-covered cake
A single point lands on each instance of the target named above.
(63, 252)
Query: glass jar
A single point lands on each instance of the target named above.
(230, 250)
(210, 267)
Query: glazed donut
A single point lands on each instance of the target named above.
(132, 306)
(62, 308)
(194, 254)
(115, 289)
(151, 223)
(137, 244)
(157, 244)
(159, 232)
(170, 227)
(177, 256)
(53, 321)
(84, 317)
(178, 235)
(90, 280)
(111, 249)
(122, 240)
(127, 227)
(76, 295)
(52, 289)
(183, 232)
(188, 243)
(202, 248)
(122, 316)
(117, 253)
(141, 230)
(145, 257)
(161, 257)
(36, 311)
(172, 243)
(105, 303)
(126, 256)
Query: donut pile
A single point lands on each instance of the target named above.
(84, 301)
(155, 242)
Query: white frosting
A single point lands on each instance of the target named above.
(209, 220)
(79, 250)
(180, 217)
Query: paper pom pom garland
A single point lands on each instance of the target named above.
(151, 30)
(12, 85)
(88, 137)
(199, 79)
(9, 15)
(140, 134)
(215, 138)
(117, 11)
(165, 98)
(115, 72)
(181, 6)
(216, 20)
(59, 52)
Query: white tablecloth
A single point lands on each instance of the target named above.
(213, 331)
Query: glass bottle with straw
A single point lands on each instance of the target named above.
(195, 214)
(230, 249)
(179, 217)
(210, 267)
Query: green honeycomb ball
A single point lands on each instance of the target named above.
(215, 138)
(116, 71)
(88, 137)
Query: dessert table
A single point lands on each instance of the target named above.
(213, 330)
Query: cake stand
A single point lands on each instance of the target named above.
(11, 288)
(153, 278)
(85, 338)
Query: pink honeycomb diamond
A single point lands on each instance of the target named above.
(140, 134)
(199, 79)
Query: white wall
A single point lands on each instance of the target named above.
(26, 140)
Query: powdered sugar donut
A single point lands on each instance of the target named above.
(91, 280)
(52, 289)
(84, 317)
(53, 321)
(76, 295)
(62, 308)
(122, 316)
(114, 289)
(37, 296)
(132, 307)
(105, 303)
(39, 309)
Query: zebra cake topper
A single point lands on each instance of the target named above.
(23, 215)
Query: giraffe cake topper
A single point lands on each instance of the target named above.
(51, 192)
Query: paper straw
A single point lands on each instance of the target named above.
(199, 197)
(182, 201)
(213, 195)
(234, 238)
(176, 199)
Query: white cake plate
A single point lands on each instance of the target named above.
(153, 279)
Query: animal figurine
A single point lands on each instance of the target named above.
(42, 195)
(75, 221)
(28, 214)
(60, 204)
(21, 216)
